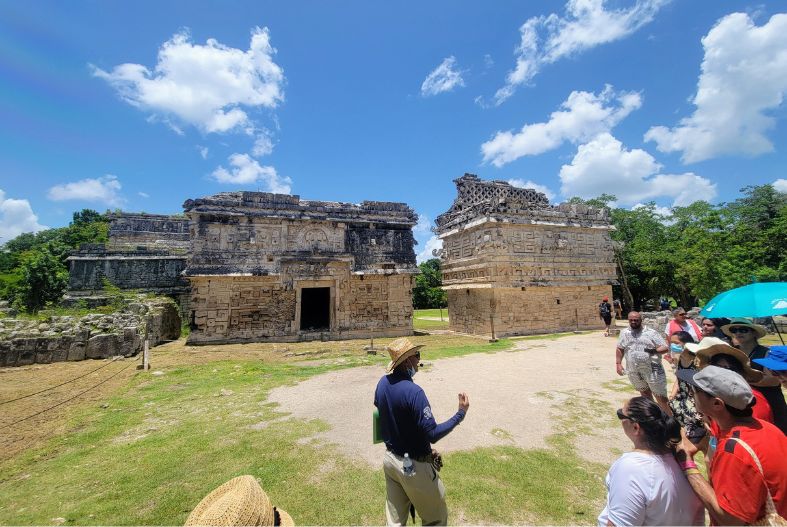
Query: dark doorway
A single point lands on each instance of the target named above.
(315, 308)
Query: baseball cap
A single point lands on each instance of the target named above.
(719, 382)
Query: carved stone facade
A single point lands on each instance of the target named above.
(513, 261)
(145, 252)
(271, 267)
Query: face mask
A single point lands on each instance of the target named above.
(676, 348)
(411, 371)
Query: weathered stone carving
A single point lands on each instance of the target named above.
(512, 260)
(145, 252)
(274, 267)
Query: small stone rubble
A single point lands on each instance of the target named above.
(93, 336)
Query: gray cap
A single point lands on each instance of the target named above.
(722, 383)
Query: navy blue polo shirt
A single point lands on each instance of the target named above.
(406, 420)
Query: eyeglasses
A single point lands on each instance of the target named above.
(623, 416)
(417, 355)
(740, 329)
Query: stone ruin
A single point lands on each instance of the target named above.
(93, 336)
(516, 265)
(273, 267)
(145, 252)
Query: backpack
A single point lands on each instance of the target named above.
(603, 308)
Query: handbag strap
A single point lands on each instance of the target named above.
(769, 505)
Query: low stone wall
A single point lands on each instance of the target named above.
(94, 336)
(658, 319)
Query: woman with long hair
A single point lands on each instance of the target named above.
(647, 486)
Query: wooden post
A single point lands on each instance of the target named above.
(492, 325)
(576, 317)
(146, 356)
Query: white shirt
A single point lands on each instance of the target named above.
(648, 489)
(634, 343)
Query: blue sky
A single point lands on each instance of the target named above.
(143, 105)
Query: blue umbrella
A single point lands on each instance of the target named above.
(761, 299)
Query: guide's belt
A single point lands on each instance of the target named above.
(421, 459)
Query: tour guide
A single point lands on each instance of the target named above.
(407, 426)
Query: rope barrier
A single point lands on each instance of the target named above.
(57, 385)
(70, 398)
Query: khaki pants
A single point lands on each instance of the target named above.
(424, 490)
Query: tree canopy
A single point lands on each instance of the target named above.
(33, 267)
(699, 250)
(427, 293)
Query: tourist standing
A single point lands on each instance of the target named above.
(776, 363)
(618, 307)
(747, 471)
(645, 486)
(408, 429)
(642, 348)
(605, 312)
(681, 399)
(681, 323)
(744, 334)
(711, 327)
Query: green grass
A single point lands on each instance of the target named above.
(425, 325)
(148, 454)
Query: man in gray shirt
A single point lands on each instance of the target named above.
(642, 348)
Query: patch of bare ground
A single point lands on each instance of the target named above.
(544, 389)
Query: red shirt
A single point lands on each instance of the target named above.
(761, 410)
(736, 480)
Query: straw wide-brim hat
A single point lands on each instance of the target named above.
(399, 350)
(711, 346)
(759, 330)
(240, 501)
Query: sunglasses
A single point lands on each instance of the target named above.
(740, 329)
(623, 416)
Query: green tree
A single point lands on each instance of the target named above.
(427, 293)
(43, 279)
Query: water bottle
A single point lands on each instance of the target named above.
(407, 465)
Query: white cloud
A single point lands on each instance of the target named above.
(744, 75)
(16, 217)
(432, 244)
(263, 145)
(780, 185)
(442, 79)
(582, 116)
(104, 190)
(424, 225)
(246, 171)
(661, 211)
(203, 151)
(603, 165)
(203, 85)
(535, 186)
(143, 194)
(585, 25)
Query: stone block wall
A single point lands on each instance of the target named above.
(512, 259)
(240, 309)
(128, 229)
(250, 309)
(525, 311)
(95, 336)
(254, 257)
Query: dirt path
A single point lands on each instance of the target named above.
(516, 398)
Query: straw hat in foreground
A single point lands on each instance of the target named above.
(240, 501)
